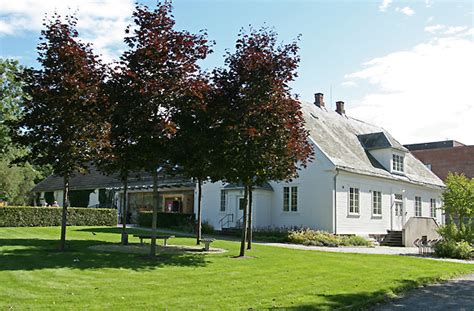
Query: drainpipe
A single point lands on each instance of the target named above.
(335, 200)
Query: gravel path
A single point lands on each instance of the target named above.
(456, 294)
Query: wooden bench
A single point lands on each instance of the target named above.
(158, 237)
(207, 243)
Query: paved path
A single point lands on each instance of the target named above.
(381, 250)
(457, 294)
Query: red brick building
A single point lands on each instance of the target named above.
(443, 157)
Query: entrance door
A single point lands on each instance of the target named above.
(239, 213)
(398, 212)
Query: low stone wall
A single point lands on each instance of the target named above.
(417, 228)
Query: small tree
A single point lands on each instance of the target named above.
(60, 118)
(263, 134)
(160, 62)
(120, 155)
(458, 201)
(194, 146)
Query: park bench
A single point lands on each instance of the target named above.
(158, 237)
(207, 243)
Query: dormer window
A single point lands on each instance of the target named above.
(397, 163)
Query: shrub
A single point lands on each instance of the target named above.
(207, 228)
(453, 249)
(166, 220)
(28, 216)
(355, 240)
(322, 238)
(271, 234)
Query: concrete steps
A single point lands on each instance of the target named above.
(393, 238)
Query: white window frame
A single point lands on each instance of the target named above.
(398, 202)
(398, 163)
(418, 206)
(223, 201)
(290, 199)
(433, 208)
(354, 201)
(377, 204)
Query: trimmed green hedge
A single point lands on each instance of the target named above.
(27, 216)
(166, 220)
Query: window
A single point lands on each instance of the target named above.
(397, 163)
(353, 200)
(433, 208)
(398, 204)
(290, 199)
(294, 199)
(418, 206)
(376, 203)
(223, 200)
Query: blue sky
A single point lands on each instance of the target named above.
(404, 65)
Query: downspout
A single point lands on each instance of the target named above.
(335, 200)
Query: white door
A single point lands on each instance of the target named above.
(398, 212)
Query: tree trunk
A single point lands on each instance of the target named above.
(155, 214)
(62, 243)
(244, 225)
(124, 212)
(249, 229)
(199, 214)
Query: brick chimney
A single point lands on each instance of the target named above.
(319, 100)
(340, 108)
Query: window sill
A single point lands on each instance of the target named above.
(353, 215)
(376, 216)
(290, 213)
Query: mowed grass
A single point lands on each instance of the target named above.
(33, 275)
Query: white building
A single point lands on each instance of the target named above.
(362, 182)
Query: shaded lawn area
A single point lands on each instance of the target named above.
(34, 275)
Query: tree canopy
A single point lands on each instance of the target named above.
(262, 129)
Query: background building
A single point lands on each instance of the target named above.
(447, 156)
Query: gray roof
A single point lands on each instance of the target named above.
(434, 145)
(346, 142)
(94, 179)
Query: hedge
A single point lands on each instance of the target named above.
(166, 220)
(27, 216)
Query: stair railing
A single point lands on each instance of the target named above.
(240, 222)
(226, 220)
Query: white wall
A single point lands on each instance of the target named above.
(58, 196)
(365, 223)
(94, 198)
(211, 200)
(315, 200)
(384, 157)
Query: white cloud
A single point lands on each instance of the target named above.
(454, 30)
(430, 19)
(428, 3)
(422, 94)
(406, 10)
(384, 5)
(349, 84)
(434, 28)
(101, 22)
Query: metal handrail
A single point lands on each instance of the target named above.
(239, 221)
(228, 218)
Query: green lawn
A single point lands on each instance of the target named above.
(33, 275)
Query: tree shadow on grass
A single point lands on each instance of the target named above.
(117, 230)
(36, 254)
(361, 300)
